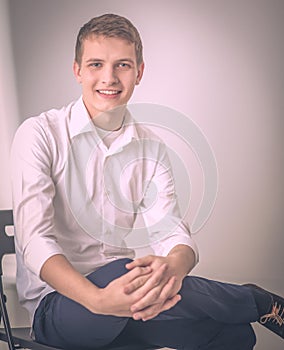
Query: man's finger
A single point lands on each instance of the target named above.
(155, 296)
(135, 284)
(143, 261)
(154, 284)
(169, 288)
(144, 284)
(166, 306)
(155, 310)
(136, 272)
(149, 299)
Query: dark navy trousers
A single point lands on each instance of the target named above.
(211, 316)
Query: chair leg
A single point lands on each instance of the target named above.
(5, 317)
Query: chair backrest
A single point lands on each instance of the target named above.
(7, 245)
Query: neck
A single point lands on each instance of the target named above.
(110, 120)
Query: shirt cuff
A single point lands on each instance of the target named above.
(164, 246)
(38, 251)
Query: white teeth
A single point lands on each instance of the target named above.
(108, 92)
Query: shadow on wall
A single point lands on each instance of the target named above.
(8, 104)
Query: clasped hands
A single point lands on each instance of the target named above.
(150, 287)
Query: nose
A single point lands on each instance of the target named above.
(109, 76)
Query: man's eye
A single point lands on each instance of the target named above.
(123, 65)
(95, 64)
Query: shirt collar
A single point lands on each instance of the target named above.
(130, 128)
(80, 122)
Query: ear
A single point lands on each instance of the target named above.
(140, 73)
(77, 72)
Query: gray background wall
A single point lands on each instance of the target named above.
(220, 62)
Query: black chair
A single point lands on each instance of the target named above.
(19, 338)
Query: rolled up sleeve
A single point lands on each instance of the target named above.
(33, 193)
(165, 225)
(180, 236)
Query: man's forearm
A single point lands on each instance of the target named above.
(181, 260)
(110, 300)
(61, 275)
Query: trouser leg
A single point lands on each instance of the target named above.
(211, 316)
(185, 334)
(63, 323)
(222, 302)
(232, 337)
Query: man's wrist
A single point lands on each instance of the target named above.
(181, 260)
(95, 301)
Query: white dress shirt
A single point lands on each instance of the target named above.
(75, 196)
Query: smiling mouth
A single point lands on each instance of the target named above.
(109, 92)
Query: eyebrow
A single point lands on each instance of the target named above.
(118, 60)
(94, 59)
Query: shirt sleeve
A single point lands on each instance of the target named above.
(33, 193)
(161, 213)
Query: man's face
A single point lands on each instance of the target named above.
(108, 73)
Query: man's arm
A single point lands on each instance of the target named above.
(182, 259)
(111, 300)
(61, 275)
(36, 237)
(175, 248)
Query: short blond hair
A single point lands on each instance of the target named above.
(110, 26)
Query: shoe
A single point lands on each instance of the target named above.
(274, 319)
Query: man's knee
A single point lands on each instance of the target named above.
(109, 272)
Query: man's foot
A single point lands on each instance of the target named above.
(274, 318)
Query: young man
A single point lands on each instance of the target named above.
(75, 273)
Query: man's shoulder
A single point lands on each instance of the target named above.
(50, 121)
(51, 117)
(41, 131)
